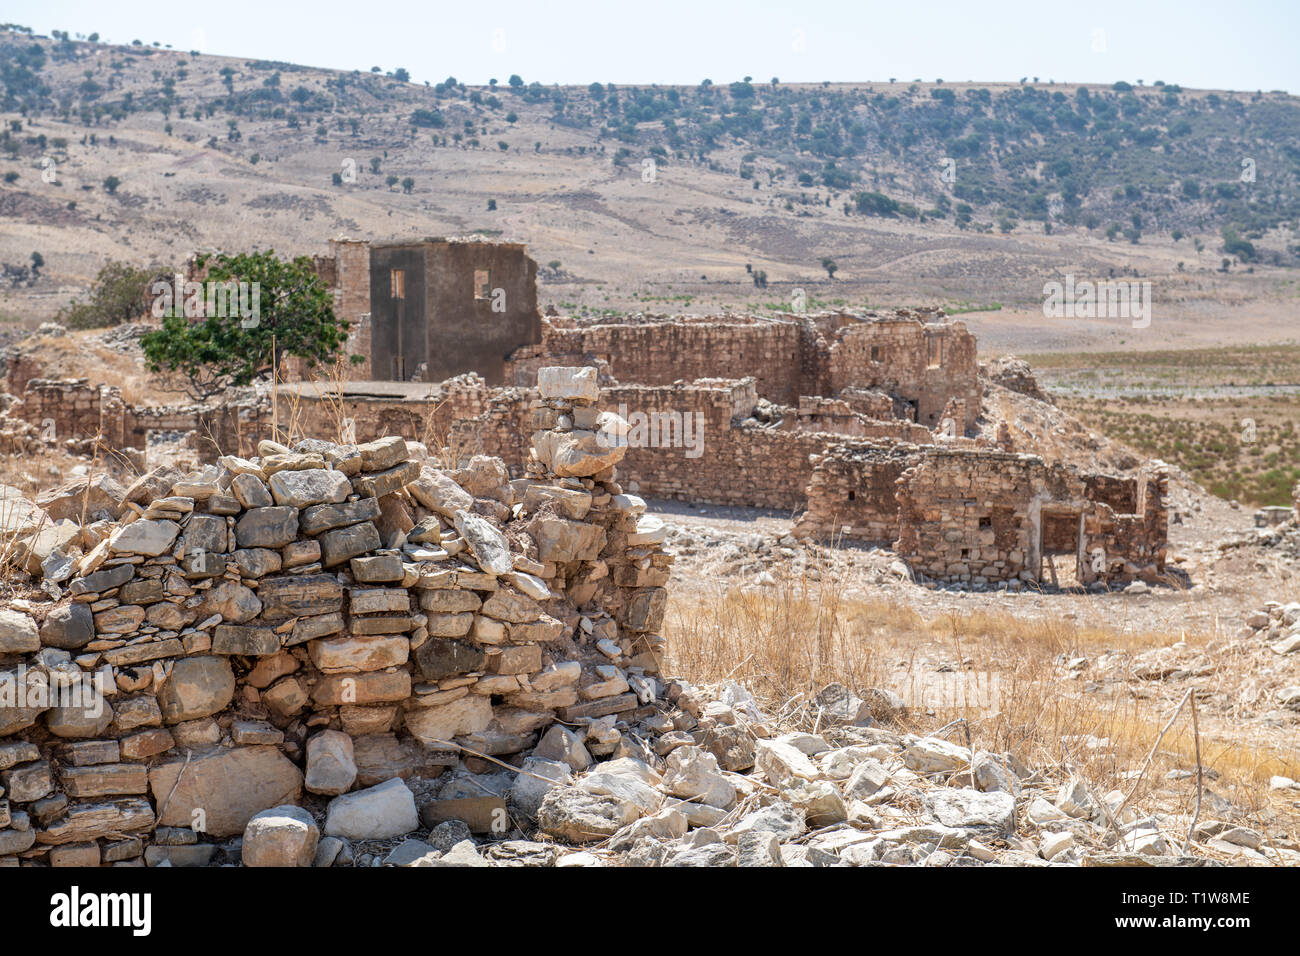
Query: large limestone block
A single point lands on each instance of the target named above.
(146, 536)
(350, 654)
(228, 786)
(440, 494)
(18, 633)
(314, 486)
(486, 543)
(578, 384)
(577, 454)
(436, 726)
(272, 527)
(297, 595)
(97, 496)
(331, 763)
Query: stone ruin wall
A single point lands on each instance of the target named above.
(901, 365)
(77, 411)
(1134, 545)
(741, 463)
(977, 516)
(304, 625)
(790, 357)
(964, 516)
(676, 351)
(852, 494)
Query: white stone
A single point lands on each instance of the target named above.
(378, 813)
(935, 755)
(281, 836)
(781, 762)
(1053, 844)
(568, 384)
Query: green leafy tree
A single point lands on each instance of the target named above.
(111, 183)
(118, 295)
(295, 316)
(829, 265)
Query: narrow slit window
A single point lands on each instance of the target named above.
(875, 353)
(934, 348)
(397, 284)
(482, 284)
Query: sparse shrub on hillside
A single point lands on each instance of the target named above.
(118, 295)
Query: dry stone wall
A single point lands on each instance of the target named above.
(318, 623)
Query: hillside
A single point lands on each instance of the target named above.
(665, 198)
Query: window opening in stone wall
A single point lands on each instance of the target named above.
(482, 284)
(934, 348)
(397, 284)
(986, 522)
(852, 495)
(875, 353)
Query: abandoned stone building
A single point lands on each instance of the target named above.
(866, 428)
(424, 310)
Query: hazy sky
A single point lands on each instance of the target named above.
(1231, 44)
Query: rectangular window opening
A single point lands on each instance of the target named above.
(934, 349)
(482, 284)
(397, 284)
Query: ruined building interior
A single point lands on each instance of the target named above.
(864, 427)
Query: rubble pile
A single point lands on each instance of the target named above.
(1278, 625)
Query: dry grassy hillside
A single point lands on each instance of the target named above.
(223, 152)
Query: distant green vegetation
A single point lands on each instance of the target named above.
(1243, 449)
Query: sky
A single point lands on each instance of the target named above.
(1238, 45)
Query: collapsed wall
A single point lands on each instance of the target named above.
(322, 619)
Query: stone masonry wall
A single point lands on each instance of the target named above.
(852, 493)
(324, 621)
(964, 515)
(667, 352)
(926, 363)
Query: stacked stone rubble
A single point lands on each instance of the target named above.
(320, 620)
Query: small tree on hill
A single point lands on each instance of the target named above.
(118, 295)
(295, 316)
